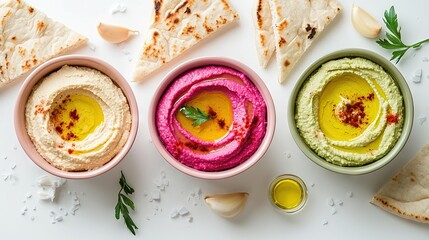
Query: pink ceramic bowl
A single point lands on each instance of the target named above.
(45, 69)
(204, 61)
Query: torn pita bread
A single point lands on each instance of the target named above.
(262, 20)
(407, 193)
(296, 25)
(177, 25)
(30, 38)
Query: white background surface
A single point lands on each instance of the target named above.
(355, 219)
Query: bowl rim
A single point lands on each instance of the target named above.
(49, 67)
(205, 61)
(408, 111)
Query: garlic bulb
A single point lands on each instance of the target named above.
(364, 23)
(114, 34)
(227, 205)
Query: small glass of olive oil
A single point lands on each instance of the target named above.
(288, 193)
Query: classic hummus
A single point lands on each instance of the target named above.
(350, 112)
(237, 122)
(77, 118)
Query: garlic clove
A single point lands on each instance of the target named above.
(114, 34)
(364, 23)
(227, 205)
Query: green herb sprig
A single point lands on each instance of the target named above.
(124, 202)
(196, 114)
(394, 41)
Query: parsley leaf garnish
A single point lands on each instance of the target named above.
(196, 114)
(394, 41)
(124, 202)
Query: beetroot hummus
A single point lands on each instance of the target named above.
(237, 123)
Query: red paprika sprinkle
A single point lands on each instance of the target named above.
(392, 118)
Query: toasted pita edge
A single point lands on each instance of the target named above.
(385, 204)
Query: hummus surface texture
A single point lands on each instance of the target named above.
(235, 130)
(350, 112)
(77, 118)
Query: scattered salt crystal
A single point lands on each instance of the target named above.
(92, 47)
(183, 211)
(417, 77)
(60, 208)
(58, 218)
(333, 211)
(425, 59)
(130, 59)
(190, 219)
(325, 223)
(34, 208)
(5, 176)
(174, 214)
(23, 210)
(340, 203)
(155, 195)
(350, 194)
(331, 202)
(312, 184)
(28, 195)
(5, 157)
(32, 218)
(118, 8)
(66, 214)
(52, 213)
(288, 155)
(13, 166)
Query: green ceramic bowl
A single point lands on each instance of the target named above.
(408, 112)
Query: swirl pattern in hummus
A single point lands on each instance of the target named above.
(350, 112)
(244, 134)
(101, 143)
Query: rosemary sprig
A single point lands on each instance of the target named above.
(124, 202)
(394, 41)
(196, 114)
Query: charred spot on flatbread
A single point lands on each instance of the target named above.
(311, 30)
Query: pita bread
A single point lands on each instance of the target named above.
(296, 25)
(30, 38)
(407, 193)
(262, 20)
(177, 25)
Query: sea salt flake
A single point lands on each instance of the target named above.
(13, 166)
(183, 211)
(58, 218)
(333, 211)
(28, 195)
(325, 223)
(118, 8)
(340, 203)
(174, 214)
(331, 202)
(417, 77)
(155, 195)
